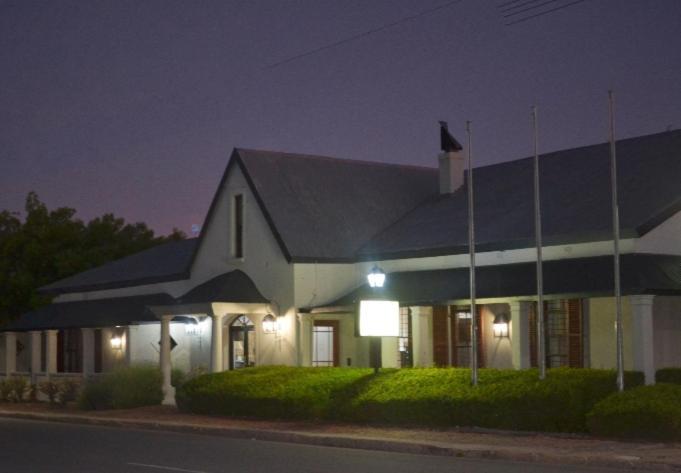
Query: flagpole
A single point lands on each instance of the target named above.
(616, 245)
(541, 358)
(471, 249)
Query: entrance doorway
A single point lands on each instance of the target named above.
(325, 349)
(241, 343)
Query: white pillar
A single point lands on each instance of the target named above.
(216, 344)
(51, 348)
(520, 334)
(10, 353)
(642, 335)
(166, 366)
(88, 351)
(305, 339)
(36, 352)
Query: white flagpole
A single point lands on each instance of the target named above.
(616, 245)
(541, 357)
(471, 248)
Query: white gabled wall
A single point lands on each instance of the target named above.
(663, 239)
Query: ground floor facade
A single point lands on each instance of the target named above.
(579, 332)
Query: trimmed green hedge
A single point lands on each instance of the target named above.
(646, 412)
(506, 399)
(123, 388)
(668, 375)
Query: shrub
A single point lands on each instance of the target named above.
(123, 388)
(67, 390)
(645, 412)
(506, 399)
(272, 392)
(18, 388)
(5, 390)
(49, 389)
(668, 375)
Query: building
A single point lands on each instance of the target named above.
(281, 263)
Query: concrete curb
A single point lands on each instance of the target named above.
(471, 451)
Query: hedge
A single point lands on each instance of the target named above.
(506, 399)
(668, 375)
(646, 412)
(123, 388)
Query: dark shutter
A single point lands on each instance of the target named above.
(60, 351)
(532, 323)
(98, 351)
(481, 335)
(575, 345)
(440, 351)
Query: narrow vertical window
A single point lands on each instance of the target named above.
(238, 226)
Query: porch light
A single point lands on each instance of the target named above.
(269, 324)
(500, 325)
(376, 277)
(116, 342)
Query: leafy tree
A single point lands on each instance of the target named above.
(49, 245)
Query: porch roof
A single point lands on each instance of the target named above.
(92, 313)
(234, 286)
(641, 274)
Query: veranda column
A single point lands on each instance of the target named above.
(520, 334)
(10, 353)
(51, 351)
(216, 344)
(88, 351)
(642, 335)
(166, 366)
(36, 353)
(305, 340)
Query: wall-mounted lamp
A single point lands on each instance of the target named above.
(500, 325)
(116, 342)
(376, 277)
(270, 324)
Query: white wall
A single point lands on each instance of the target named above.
(497, 351)
(667, 331)
(422, 335)
(602, 339)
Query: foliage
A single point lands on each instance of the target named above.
(50, 389)
(68, 390)
(123, 388)
(506, 399)
(668, 375)
(49, 245)
(271, 392)
(18, 388)
(645, 412)
(5, 390)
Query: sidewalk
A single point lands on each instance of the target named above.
(545, 448)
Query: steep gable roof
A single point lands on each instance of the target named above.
(324, 209)
(575, 201)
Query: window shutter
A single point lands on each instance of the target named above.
(532, 325)
(98, 351)
(60, 351)
(575, 345)
(481, 350)
(440, 335)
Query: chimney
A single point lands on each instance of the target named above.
(451, 162)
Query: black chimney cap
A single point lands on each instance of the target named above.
(447, 142)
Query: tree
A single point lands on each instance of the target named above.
(49, 245)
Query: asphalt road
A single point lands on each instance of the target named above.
(30, 446)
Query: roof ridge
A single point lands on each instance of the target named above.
(335, 158)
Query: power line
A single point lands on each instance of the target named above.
(501, 5)
(531, 8)
(544, 12)
(518, 5)
(360, 35)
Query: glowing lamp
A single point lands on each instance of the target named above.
(116, 342)
(500, 326)
(376, 277)
(379, 319)
(269, 324)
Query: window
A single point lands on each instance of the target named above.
(238, 230)
(325, 343)
(404, 341)
(563, 334)
(70, 351)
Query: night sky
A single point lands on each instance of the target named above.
(133, 107)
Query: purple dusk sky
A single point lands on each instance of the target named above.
(133, 107)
